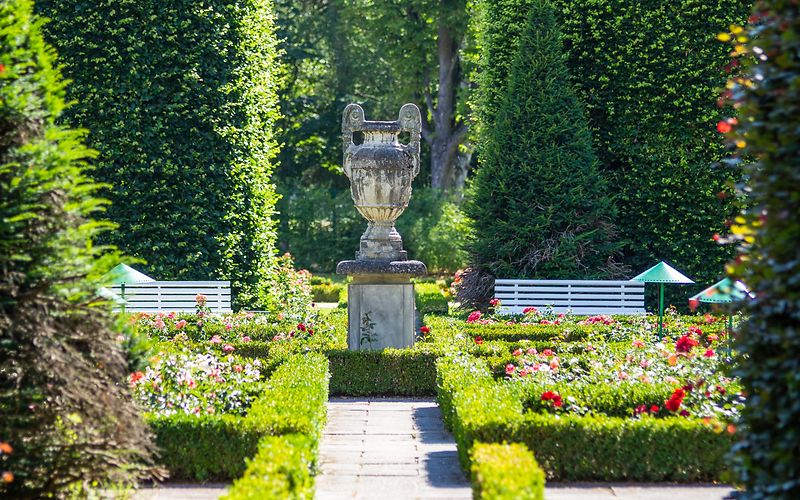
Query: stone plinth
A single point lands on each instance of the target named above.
(380, 303)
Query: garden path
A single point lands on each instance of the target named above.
(387, 448)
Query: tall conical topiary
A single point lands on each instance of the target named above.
(66, 415)
(539, 206)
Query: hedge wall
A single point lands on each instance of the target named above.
(180, 100)
(648, 73)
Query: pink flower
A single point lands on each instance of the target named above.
(228, 348)
(216, 339)
(646, 363)
(494, 302)
(531, 351)
(510, 369)
(281, 316)
(712, 337)
(238, 368)
(228, 326)
(200, 299)
(159, 323)
(554, 364)
(623, 376)
(180, 324)
(191, 383)
(474, 316)
(547, 352)
(638, 343)
(171, 315)
(246, 339)
(709, 353)
(529, 310)
(517, 352)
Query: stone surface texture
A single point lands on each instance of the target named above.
(381, 170)
(388, 448)
(380, 315)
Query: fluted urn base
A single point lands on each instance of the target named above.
(381, 241)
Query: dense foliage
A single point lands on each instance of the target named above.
(767, 97)
(505, 472)
(539, 205)
(649, 78)
(66, 418)
(180, 100)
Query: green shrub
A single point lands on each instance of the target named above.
(431, 298)
(204, 447)
(768, 99)
(281, 469)
(396, 372)
(63, 410)
(327, 292)
(539, 136)
(180, 100)
(505, 472)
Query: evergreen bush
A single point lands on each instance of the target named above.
(66, 416)
(180, 100)
(539, 204)
(767, 96)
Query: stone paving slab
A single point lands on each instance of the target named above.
(181, 491)
(394, 448)
(602, 491)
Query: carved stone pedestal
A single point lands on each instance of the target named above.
(380, 303)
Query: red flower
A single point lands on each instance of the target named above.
(2, 68)
(517, 352)
(672, 404)
(510, 369)
(474, 316)
(685, 344)
(529, 310)
(301, 327)
(494, 302)
(557, 401)
(136, 376)
(424, 329)
(654, 409)
(709, 353)
(547, 352)
(723, 127)
(479, 340)
(548, 395)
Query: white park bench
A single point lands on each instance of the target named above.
(581, 297)
(177, 296)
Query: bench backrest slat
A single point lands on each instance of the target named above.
(582, 297)
(177, 296)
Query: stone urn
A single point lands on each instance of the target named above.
(380, 304)
(381, 169)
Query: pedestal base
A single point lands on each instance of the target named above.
(380, 303)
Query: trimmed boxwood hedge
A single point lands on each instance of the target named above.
(505, 472)
(571, 447)
(396, 372)
(215, 447)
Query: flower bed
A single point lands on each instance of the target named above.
(613, 403)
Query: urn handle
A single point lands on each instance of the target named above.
(352, 121)
(410, 121)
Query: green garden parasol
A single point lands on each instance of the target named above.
(123, 274)
(723, 292)
(662, 273)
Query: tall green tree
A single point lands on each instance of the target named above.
(539, 204)
(180, 100)
(767, 97)
(66, 415)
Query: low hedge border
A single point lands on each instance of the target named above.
(569, 447)
(505, 472)
(216, 447)
(396, 372)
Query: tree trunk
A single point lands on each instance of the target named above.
(444, 133)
